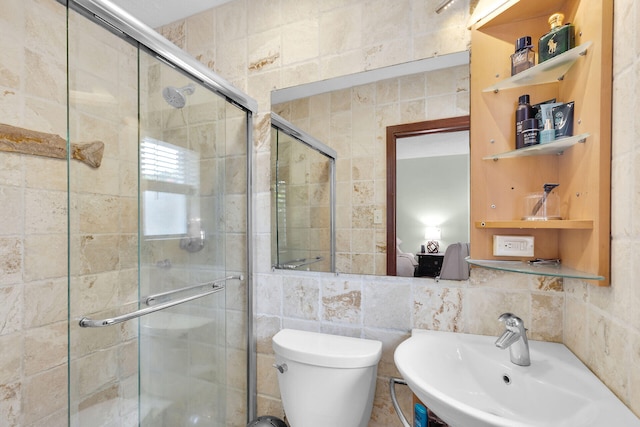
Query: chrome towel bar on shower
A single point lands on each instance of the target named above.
(86, 322)
(152, 299)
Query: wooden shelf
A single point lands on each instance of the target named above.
(549, 71)
(538, 269)
(554, 224)
(556, 147)
(583, 170)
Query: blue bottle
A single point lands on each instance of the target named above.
(420, 417)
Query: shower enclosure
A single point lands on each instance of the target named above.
(160, 330)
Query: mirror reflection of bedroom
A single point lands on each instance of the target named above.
(432, 204)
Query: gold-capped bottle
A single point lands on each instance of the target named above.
(560, 39)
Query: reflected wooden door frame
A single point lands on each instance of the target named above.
(452, 124)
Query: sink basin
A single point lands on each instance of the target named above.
(467, 381)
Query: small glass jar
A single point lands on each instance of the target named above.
(524, 56)
(537, 207)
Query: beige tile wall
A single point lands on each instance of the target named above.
(33, 212)
(602, 325)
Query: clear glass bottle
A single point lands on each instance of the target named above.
(548, 134)
(560, 39)
(524, 56)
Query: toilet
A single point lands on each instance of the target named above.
(326, 380)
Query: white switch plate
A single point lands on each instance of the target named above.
(513, 246)
(377, 216)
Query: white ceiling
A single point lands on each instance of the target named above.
(156, 13)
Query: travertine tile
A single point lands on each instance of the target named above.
(10, 402)
(267, 376)
(265, 51)
(485, 305)
(383, 414)
(44, 394)
(45, 78)
(342, 301)
(45, 212)
(200, 32)
(607, 345)
(304, 46)
(56, 419)
(301, 297)
(362, 241)
(45, 173)
(97, 253)
(98, 213)
(547, 317)
(11, 255)
(341, 29)
(94, 293)
(103, 405)
(634, 374)
(10, 360)
(269, 294)
(11, 173)
(439, 309)
(46, 302)
(11, 209)
(11, 309)
(362, 263)
(95, 370)
(53, 338)
(386, 305)
(267, 327)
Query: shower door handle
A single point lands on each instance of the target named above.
(86, 322)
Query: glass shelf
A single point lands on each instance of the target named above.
(557, 224)
(546, 269)
(556, 147)
(549, 71)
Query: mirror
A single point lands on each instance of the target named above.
(427, 193)
(351, 115)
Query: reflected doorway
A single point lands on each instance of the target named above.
(430, 128)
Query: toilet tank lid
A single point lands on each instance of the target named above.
(326, 350)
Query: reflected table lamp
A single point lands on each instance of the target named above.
(432, 235)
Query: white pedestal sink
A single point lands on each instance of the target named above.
(468, 382)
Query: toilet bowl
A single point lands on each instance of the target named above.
(326, 380)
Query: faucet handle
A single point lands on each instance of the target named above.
(505, 317)
(512, 321)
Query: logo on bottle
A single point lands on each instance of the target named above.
(552, 45)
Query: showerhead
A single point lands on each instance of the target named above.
(177, 96)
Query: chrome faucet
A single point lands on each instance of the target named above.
(514, 337)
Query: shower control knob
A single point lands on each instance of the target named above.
(282, 368)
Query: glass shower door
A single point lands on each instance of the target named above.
(152, 279)
(182, 171)
(103, 226)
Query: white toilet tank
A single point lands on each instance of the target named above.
(326, 380)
